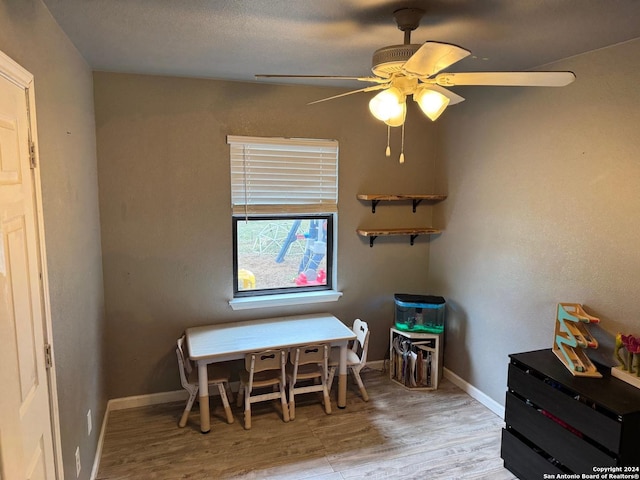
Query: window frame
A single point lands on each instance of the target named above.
(330, 260)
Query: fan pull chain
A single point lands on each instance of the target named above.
(402, 146)
(388, 151)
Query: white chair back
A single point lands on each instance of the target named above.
(184, 364)
(361, 344)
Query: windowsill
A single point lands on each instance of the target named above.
(284, 299)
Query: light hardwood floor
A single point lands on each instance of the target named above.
(398, 434)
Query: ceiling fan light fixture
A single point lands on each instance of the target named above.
(431, 103)
(387, 104)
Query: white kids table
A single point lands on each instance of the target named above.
(232, 341)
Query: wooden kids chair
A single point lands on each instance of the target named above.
(263, 369)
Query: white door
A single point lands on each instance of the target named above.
(26, 444)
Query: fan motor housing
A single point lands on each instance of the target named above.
(389, 60)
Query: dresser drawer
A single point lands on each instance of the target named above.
(569, 449)
(601, 428)
(523, 460)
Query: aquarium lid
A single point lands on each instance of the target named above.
(404, 299)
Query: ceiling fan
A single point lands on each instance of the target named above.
(418, 70)
(414, 69)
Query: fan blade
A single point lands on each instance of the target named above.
(329, 77)
(515, 79)
(367, 89)
(454, 98)
(433, 57)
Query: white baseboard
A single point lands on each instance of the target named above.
(145, 400)
(473, 392)
(96, 459)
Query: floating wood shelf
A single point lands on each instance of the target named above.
(374, 233)
(415, 198)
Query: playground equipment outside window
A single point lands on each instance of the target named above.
(282, 254)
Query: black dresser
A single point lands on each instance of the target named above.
(557, 423)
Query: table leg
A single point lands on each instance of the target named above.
(203, 391)
(342, 377)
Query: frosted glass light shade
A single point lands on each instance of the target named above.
(387, 104)
(432, 103)
(398, 120)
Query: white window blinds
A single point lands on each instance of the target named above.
(283, 175)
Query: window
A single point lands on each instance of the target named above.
(284, 205)
(282, 254)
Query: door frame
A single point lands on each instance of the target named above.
(16, 74)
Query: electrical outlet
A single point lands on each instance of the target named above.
(78, 467)
(89, 423)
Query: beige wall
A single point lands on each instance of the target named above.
(66, 132)
(543, 208)
(165, 210)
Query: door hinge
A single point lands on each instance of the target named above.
(32, 154)
(48, 360)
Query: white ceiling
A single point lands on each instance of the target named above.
(235, 39)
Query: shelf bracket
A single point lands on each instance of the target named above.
(413, 237)
(371, 239)
(416, 202)
(373, 205)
